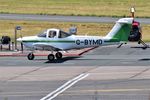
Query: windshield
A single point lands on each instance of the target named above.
(42, 34)
(63, 34)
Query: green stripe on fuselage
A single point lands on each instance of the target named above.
(51, 41)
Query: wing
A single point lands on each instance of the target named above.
(45, 46)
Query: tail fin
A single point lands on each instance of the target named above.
(121, 30)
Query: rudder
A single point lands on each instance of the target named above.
(121, 30)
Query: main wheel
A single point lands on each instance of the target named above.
(58, 55)
(30, 56)
(51, 57)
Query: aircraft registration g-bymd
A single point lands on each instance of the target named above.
(58, 40)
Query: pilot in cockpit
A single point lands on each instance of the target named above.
(52, 34)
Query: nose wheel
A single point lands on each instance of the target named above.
(30, 56)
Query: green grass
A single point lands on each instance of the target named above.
(112, 8)
(33, 27)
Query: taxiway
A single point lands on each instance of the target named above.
(57, 18)
(105, 73)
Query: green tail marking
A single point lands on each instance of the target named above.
(123, 33)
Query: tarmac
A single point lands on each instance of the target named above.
(103, 73)
(55, 18)
(11, 53)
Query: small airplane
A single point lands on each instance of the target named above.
(58, 40)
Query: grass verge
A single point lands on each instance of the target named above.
(34, 27)
(113, 8)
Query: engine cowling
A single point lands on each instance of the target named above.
(135, 34)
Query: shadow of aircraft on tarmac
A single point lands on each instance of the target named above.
(144, 59)
(64, 59)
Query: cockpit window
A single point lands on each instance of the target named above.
(42, 34)
(52, 34)
(63, 34)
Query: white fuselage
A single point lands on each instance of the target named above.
(56, 39)
(70, 42)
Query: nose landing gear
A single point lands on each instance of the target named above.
(30, 56)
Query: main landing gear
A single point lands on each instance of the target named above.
(50, 57)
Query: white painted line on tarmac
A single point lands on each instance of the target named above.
(65, 86)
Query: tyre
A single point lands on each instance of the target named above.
(30, 56)
(51, 57)
(58, 55)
